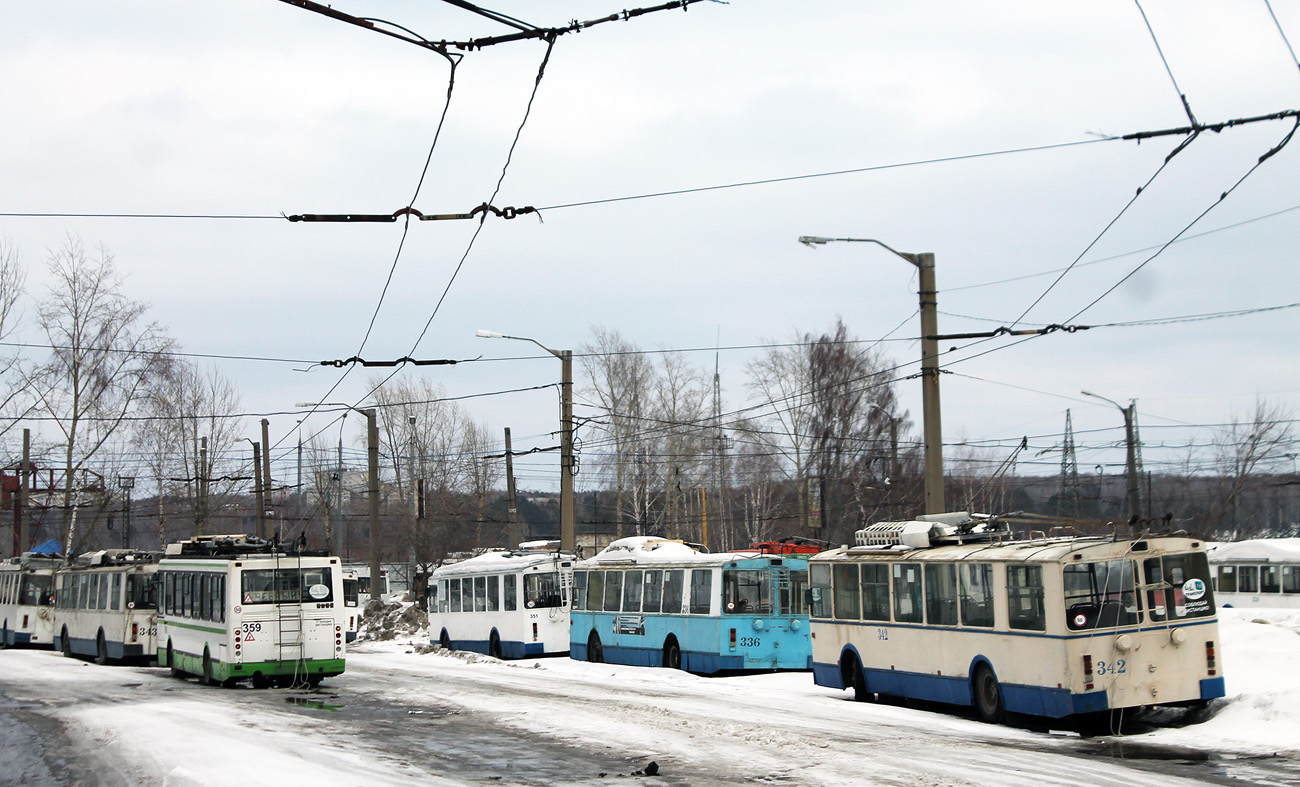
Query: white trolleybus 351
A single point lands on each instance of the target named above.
(508, 604)
(945, 610)
(653, 602)
(1261, 572)
(104, 606)
(27, 600)
(236, 607)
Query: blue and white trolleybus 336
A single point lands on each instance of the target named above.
(237, 607)
(104, 606)
(951, 610)
(654, 602)
(505, 603)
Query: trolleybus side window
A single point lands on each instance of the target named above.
(542, 589)
(746, 590)
(115, 598)
(580, 590)
(1247, 579)
(613, 590)
(1025, 598)
(1100, 595)
(847, 593)
(907, 592)
(701, 590)
(632, 591)
(1184, 583)
(875, 591)
(674, 584)
(1269, 581)
(977, 594)
(1227, 579)
(1291, 579)
(941, 594)
(595, 590)
(653, 592)
(494, 594)
(510, 593)
(480, 594)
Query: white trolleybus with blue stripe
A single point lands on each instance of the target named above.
(509, 604)
(237, 607)
(950, 609)
(104, 606)
(654, 602)
(27, 600)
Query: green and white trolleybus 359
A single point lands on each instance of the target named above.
(237, 607)
(951, 610)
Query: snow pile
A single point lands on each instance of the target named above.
(1261, 713)
(386, 621)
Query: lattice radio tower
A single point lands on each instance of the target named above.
(1067, 503)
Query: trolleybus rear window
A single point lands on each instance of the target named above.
(542, 590)
(1178, 586)
(286, 586)
(1100, 595)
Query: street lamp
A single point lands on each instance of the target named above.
(924, 262)
(568, 537)
(372, 456)
(1130, 440)
(127, 483)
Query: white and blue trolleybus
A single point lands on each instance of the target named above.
(237, 607)
(950, 609)
(27, 600)
(654, 602)
(104, 606)
(1260, 572)
(505, 603)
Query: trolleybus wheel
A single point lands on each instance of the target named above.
(171, 661)
(4, 635)
(858, 680)
(595, 653)
(444, 641)
(65, 643)
(207, 668)
(101, 648)
(672, 654)
(494, 645)
(314, 680)
(988, 695)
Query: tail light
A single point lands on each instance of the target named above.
(733, 639)
(135, 632)
(1211, 664)
(534, 632)
(1087, 672)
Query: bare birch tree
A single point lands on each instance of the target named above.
(103, 353)
(14, 403)
(1250, 449)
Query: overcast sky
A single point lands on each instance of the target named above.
(255, 109)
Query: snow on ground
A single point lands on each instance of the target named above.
(1261, 712)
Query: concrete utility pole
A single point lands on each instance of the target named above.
(924, 262)
(257, 488)
(568, 534)
(266, 478)
(1131, 445)
(24, 490)
(372, 456)
(512, 505)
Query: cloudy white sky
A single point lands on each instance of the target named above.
(247, 108)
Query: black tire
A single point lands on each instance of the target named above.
(260, 681)
(4, 635)
(595, 652)
(171, 662)
(65, 643)
(987, 695)
(101, 649)
(858, 682)
(494, 645)
(444, 640)
(314, 680)
(207, 668)
(672, 654)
